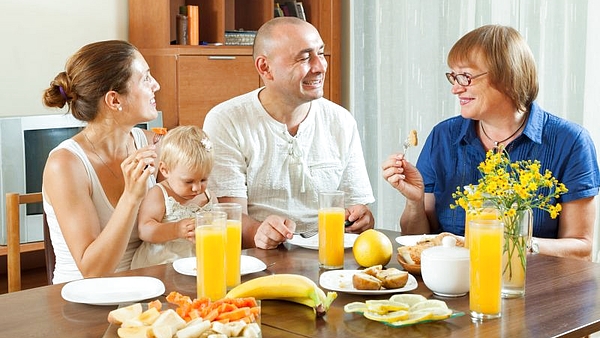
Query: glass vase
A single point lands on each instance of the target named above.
(518, 228)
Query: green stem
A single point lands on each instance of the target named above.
(514, 241)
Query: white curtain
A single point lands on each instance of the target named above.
(396, 60)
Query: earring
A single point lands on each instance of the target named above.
(120, 108)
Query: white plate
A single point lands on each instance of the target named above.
(313, 242)
(248, 264)
(112, 290)
(341, 280)
(410, 240)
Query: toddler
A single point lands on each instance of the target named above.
(166, 221)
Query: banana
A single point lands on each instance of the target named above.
(289, 287)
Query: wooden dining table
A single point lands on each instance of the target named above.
(562, 300)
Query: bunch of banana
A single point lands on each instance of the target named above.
(290, 287)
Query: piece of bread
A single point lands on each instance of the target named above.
(437, 240)
(363, 281)
(392, 278)
(373, 270)
(412, 137)
(412, 254)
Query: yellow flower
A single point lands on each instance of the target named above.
(511, 186)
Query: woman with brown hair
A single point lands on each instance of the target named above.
(494, 76)
(93, 183)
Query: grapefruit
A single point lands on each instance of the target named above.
(372, 247)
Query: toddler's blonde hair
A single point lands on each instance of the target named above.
(187, 146)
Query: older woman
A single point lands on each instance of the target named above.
(494, 76)
(93, 183)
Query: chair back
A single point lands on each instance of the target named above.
(49, 250)
(13, 238)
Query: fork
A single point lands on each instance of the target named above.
(406, 145)
(309, 233)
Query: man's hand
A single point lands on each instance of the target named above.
(273, 231)
(361, 218)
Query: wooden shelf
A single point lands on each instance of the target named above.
(191, 80)
(25, 247)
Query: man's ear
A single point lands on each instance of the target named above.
(262, 66)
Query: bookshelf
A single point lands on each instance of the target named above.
(194, 78)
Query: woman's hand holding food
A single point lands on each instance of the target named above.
(136, 168)
(403, 176)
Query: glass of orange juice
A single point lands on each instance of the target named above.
(332, 214)
(485, 273)
(486, 212)
(211, 241)
(233, 253)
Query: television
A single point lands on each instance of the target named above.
(25, 143)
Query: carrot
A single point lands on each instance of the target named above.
(155, 304)
(194, 313)
(223, 310)
(212, 315)
(236, 314)
(159, 131)
(178, 299)
(200, 302)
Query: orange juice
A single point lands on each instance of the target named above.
(484, 214)
(485, 246)
(233, 252)
(210, 260)
(331, 237)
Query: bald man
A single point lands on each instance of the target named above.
(278, 146)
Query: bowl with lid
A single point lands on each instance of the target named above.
(445, 268)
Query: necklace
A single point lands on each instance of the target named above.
(496, 143)
(100, 157)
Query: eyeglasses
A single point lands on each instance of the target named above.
(463, 79)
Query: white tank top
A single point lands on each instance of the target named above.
(65, 268)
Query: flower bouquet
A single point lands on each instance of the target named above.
(514, 189)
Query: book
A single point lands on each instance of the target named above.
(182, 29)
(193, 25)
(239, 38)
(291, 6)
(278, 10)
(300, 10)
(284, 9)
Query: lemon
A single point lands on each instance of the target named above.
(372, 247)
(413, 318)
(408, 298)
(355, 307)
(429, 304)
(439, 314)
(393, 316)
(384, 306)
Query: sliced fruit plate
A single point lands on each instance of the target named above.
(403, 310)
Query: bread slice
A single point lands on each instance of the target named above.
(363, 281)
(392, 278)
(373, 270)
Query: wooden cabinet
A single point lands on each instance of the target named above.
(194, 79)
(221, 77)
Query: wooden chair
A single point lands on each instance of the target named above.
(13, 256)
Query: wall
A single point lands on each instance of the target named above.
(37, 38)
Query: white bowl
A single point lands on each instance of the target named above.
(445, 268)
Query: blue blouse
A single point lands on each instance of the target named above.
(453, 151)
